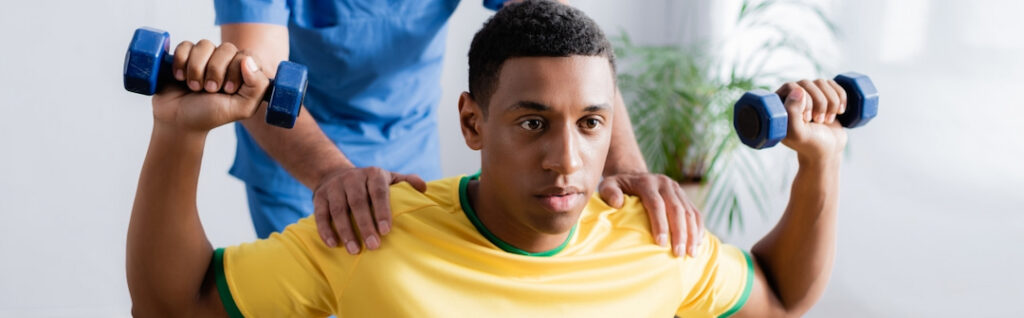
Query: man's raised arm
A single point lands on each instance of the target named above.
(793, 261)
(168, 254)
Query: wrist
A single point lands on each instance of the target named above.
(819, 162)
(331, 169)
(164, 133)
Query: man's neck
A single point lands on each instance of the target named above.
(507, 228)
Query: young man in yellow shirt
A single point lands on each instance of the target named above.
(526, 237)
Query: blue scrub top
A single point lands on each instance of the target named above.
(374, 80)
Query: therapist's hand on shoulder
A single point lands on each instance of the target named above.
(348, 199)
(673, 217)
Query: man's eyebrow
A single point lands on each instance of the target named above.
(529, 105)
(541, 107)
(597, 107)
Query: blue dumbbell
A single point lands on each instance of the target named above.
(761, 119)
(148, 65)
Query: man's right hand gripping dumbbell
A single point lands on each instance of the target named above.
(223, 85)
(205, 67)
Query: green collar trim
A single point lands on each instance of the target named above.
(471, 214)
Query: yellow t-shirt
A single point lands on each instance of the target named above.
(436, 263)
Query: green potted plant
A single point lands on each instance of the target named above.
(681, 100)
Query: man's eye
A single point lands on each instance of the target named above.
(531, 124)
(591, 123)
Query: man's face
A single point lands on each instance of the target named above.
(545, 137)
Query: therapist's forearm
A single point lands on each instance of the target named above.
(624, 154)
(304, 151)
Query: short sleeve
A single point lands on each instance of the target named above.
(718, 281)
(281, 276)
(251, 11)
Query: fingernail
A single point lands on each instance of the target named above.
(821, 118)
(383, 227)
(372, 242)
(331, 242)
(229, 86)
(352, 247)
(662, 239)
(831, 119)
(251, 64)
(690, 251)
(179, 75)
(678, 250)
(194, 85)
(211, 86)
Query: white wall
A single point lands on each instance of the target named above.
(931, 209)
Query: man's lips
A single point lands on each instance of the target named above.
(560, 199)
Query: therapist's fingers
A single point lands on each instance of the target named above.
(322, 215)
(412, 179)
(359, 204)
(337, 206)
(611, 192)
(377, 183)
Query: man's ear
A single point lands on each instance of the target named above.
(470, 118)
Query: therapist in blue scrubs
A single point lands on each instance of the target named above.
(370, 119)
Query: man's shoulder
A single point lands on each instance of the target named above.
(442, 193)
(630, 217)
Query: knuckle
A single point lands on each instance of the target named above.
(359, 202)
(339, 212)
(205, 43)
(185, 45)
(229, 47)
(195, 70)
(212, 70)
(342, 226)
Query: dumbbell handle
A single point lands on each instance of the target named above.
(167, 63)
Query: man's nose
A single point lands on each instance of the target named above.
(562, 155)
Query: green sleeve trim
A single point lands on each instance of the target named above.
(746, 290)
(222, 285)
(471, 215)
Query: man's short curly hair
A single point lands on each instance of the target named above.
(531, 28)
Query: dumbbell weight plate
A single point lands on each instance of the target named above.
(760, 119)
